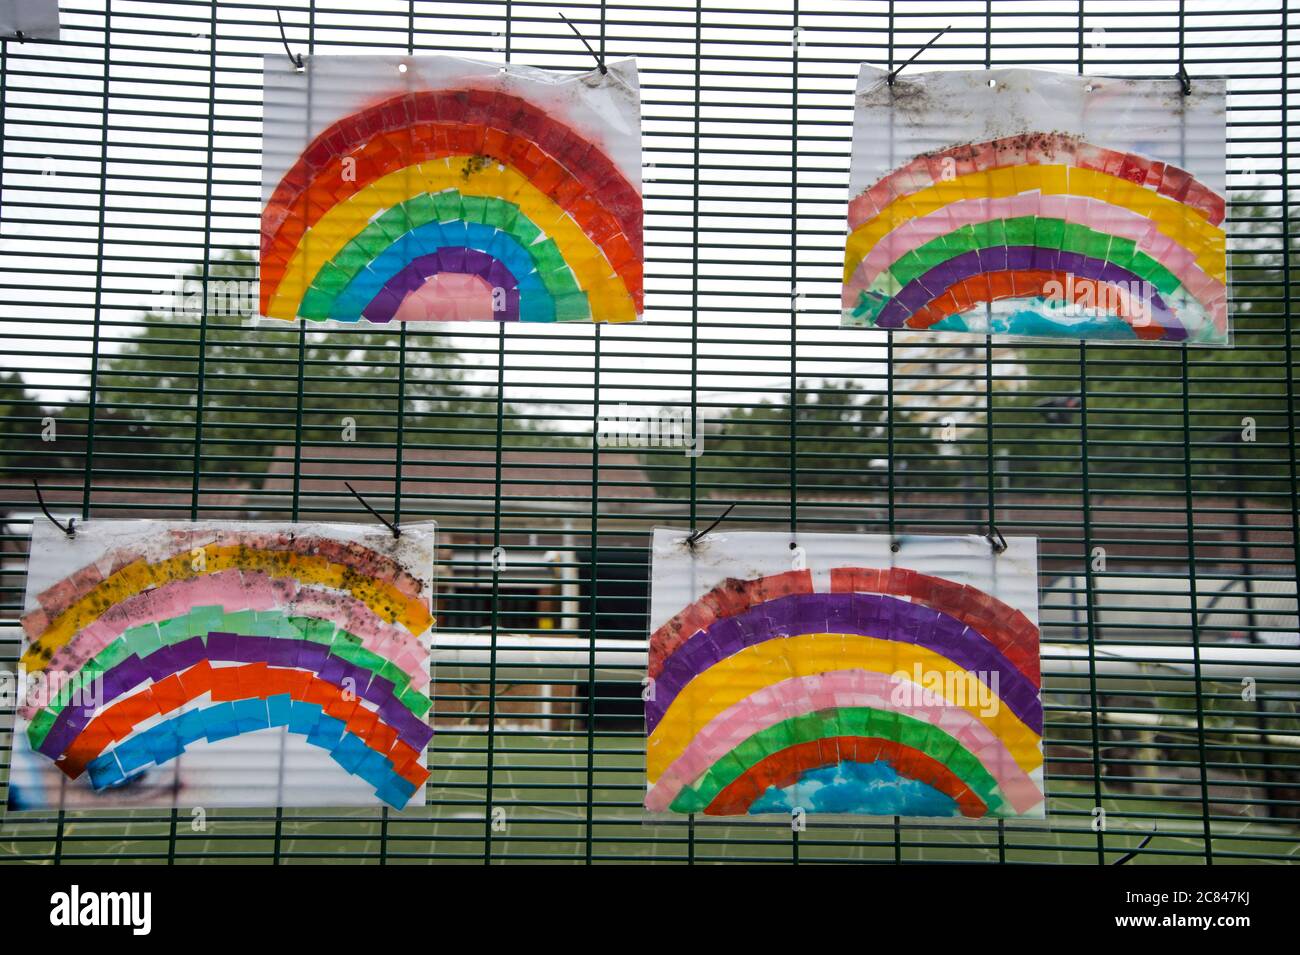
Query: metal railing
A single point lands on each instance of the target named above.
(130, 154)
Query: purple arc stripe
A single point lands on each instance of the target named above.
(458, 259)
(921, 291)
(126, 675)
(868, 615)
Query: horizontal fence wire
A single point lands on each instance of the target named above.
(1161, 482)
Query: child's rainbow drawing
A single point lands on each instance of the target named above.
(865, 682)
(170, 663)
(1035, 204)
(442, 189)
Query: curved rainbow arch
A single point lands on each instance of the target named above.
(352, 747)
(756, 668)
(266, 625)
(381, 596)
(1046, 219)
(872, 618)
(236, 598)
(447, 158)
(853, 723)
(836, 690)
(797, 767)
(502, 256)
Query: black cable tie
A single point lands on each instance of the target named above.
(893, 74)
(294, 58)
(995, 539)
(698, 535)
(600, 61)
(386, 522)
(1131, 855)
(1184, 78)
(70, 529)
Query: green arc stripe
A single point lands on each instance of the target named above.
(847, 721)
(448, 206)
(1041, 231)
(144, 640)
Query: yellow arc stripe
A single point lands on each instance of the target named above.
(386, 601)
(606, 292)
(1172, 218)
(742, 674)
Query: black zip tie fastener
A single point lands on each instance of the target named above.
(1122, 860)
(1183, 78)
(995, 539)
(294, 58)
(696, 537)
(600, 61)
(893, 74)
(380, 517)
(70, 529)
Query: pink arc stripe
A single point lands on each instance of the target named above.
(1080, 210)
(236, 590)
(1050, 149)
(56, 598)
(824, 691)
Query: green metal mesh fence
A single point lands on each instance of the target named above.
(1162, 483)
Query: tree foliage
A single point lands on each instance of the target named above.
(201, 374)
(838, 443)
(1137, 407)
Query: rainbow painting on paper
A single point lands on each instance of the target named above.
(168, 664)
(827, 673)
(413, 188)
(1039, 205)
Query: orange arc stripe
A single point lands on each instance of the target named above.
(249, 681)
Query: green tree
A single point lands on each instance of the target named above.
(840, 443)
(200, 373)
(1135, 395)
(22, 413)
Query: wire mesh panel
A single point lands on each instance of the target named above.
(1161, 481)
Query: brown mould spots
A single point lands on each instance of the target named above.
(474, 164)
(910, 102)
(733, 586)
(1028, 142)
(615, 84)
